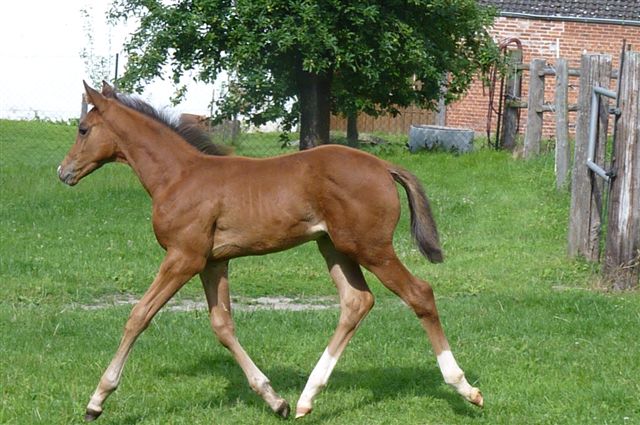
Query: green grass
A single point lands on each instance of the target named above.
(526, 323)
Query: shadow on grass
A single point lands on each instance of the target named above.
(391, 383)
(383, 384)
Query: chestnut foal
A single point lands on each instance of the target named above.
(208, 209)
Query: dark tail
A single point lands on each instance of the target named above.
(423, 226)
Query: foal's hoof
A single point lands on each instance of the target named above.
(476, 398)
(301, 412)
(283, 410)
(91, 415)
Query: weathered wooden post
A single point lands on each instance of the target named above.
(622, 252)
(441, 114)
(83, 106)
(586, 189)
(562, 123)
(533, 133)
(512, 93)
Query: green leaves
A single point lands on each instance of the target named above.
(373, 51)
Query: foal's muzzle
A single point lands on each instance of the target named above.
(66, 175)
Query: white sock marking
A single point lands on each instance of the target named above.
(453, 375)
(451, 372)
(317, 380)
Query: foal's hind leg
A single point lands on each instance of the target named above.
(355, 302)
(216, 287)
(419, 296)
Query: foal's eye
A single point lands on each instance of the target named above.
(83, 130)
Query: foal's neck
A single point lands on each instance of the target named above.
(157, 154)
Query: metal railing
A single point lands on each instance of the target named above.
(593, 129)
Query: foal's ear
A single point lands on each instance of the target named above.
(94, 97)
(108, 90)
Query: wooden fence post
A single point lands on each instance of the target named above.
(562, 123)
(533, 133)
(512, 92)
(83, 106)
(586, 188)
(622, 252)
(441, 113)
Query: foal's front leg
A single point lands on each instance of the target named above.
(176, 269)
(216, 287)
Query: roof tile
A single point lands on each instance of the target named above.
(625, 11)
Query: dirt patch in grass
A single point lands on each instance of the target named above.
(237, 303)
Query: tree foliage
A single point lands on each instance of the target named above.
(281, 55)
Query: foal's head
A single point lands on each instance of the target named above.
(96, 143)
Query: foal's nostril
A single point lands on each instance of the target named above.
(65, 176)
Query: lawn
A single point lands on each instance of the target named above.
(530, 327)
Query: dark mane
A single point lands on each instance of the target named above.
(190, 131)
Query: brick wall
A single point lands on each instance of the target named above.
(546, 40)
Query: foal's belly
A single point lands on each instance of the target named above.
(254, 239)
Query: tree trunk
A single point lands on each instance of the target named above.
(314, 90)
(352, 129)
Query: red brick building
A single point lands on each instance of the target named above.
(547, 30)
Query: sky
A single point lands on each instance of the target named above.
(41, 69)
